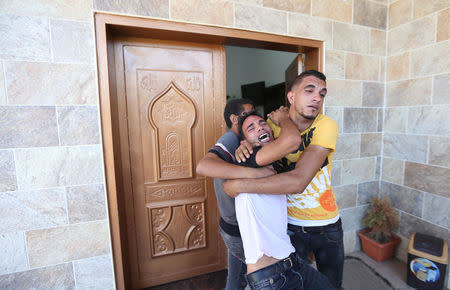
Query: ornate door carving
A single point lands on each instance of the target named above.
(170, 92)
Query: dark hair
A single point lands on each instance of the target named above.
(300, 78)
(241, 122)
(307, 73)
(236, 107)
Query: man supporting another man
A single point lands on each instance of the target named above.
(313, 216)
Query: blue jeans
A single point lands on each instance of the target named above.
(236, 266)
(290, 273)
(327, 245)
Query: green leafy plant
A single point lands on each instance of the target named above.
(381, 219)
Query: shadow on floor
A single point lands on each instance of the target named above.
(211, 281)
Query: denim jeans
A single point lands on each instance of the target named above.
(236, 266)
(300, 276)
(326, 244)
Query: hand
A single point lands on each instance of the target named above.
(264, 171)
(282, 113)
(228, 187)
(243, 151)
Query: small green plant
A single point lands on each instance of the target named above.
(381, 219)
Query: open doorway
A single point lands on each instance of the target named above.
(258, 75)
(150, 162)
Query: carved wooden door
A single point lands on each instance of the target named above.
(173, 98)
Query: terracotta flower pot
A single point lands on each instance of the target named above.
(378, 252)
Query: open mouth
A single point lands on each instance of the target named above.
(264, 138)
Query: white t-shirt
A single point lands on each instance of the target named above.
(262, 220)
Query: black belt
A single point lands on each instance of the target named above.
(277, 268)
(318, 229)
(232, 230)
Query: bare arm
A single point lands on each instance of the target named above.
(288, 141)
(289, 182)
(211, 165)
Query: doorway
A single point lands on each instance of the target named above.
(162, 94)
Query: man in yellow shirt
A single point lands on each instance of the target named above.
(313, 216)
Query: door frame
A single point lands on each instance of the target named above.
(108, 26)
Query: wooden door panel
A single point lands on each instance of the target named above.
(171, 91)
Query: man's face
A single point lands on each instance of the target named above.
(247, 108)
(256, 130)
(307, 98)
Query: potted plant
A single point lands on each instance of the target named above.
(378, 240)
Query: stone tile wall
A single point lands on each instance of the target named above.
(416, 137)
(388, 80)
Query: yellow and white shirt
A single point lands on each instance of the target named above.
(316, 205)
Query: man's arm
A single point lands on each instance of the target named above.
(294, 181)
(288, 141)
(213, 166)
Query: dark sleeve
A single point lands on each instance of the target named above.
(251, 162)
(226, 146)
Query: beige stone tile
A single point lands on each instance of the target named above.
(72, 41)
(336, 175)
(345, 195)
(211, 12)
(351, 37)
(28, 83)
(441, 89)
(400, 12)
(352, 218)
(67, 243)
(380, 116)
(409, 93)
(378, 42)
(7, 171)
(429, 120)
(28, 127)
(346, 146)
(26, 210)
(78, 125)
(310, 27)
(370, 144)
(393, 170)
(428, 178)
(261, 19)
(443, 25)
(53, 277)
(422, 8)
(3, 99)
(86, 203)
(67, 9)
(153, 8)
(369, 13)
(439, 151)
(358, 170)
(372, 94)
(435, 210)
(358, 120)
(395, 119)
(406, 147)
(24, 37)
(403, 198)
(411, 35)
(298, 6)
(94, 273)
(337, 114)
(351, 242)
(343, 93)
(431, 60)
(366, 191)
(334, 64)
(398, 67)
(14, 256)
(251, 2)
(362, 67)
(340, 10)
(58, 166)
